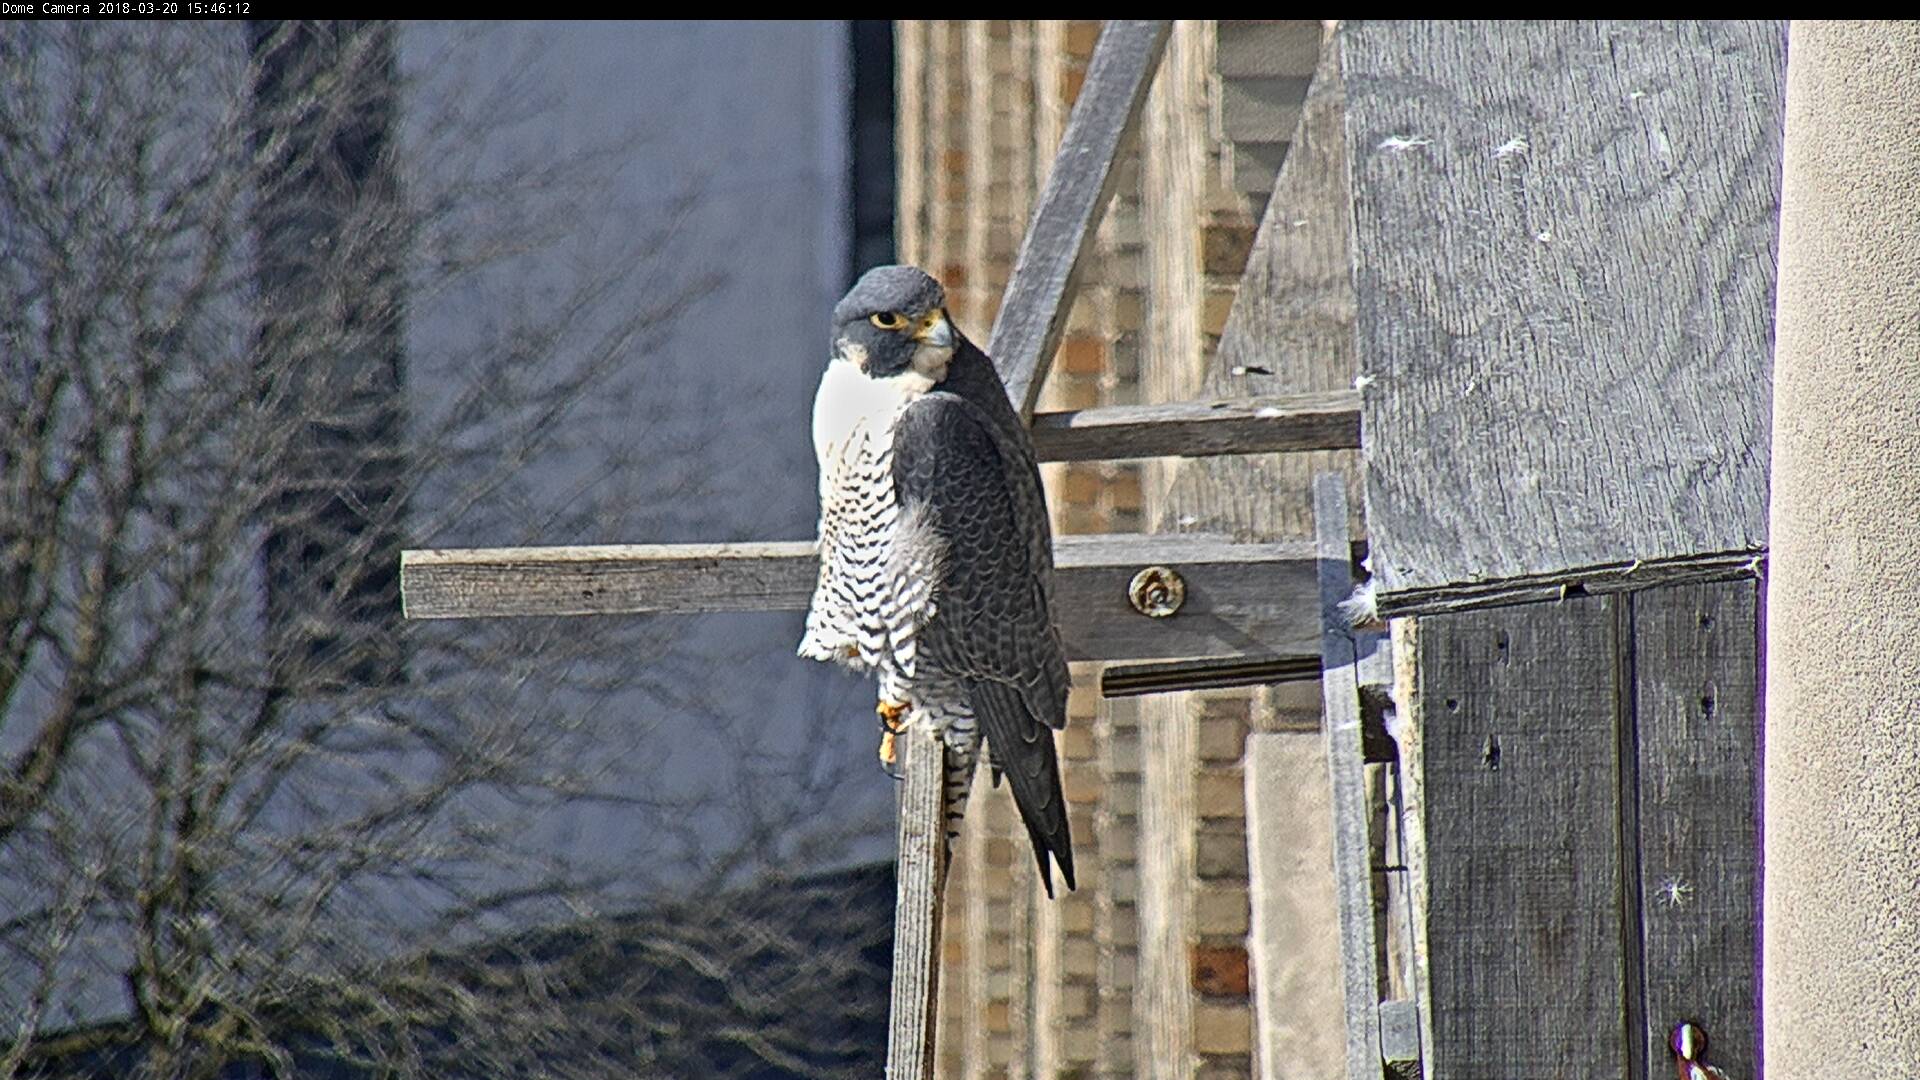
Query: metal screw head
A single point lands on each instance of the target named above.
(1157, 592)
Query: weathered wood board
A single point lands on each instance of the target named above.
(1696, 706)
(1105, 118)
(1346, 772)
(918, 910)
(1523, 817)
(1564, 264)
(1589, 804)
(1225, 425)
(1242, 600)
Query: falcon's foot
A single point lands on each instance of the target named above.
(892, 721)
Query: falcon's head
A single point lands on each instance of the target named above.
(894, 321)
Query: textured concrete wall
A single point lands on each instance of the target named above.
(1842, 922)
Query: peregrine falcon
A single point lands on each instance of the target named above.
(936, 560)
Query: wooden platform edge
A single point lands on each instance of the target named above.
(1241, 599)
(1579, 581)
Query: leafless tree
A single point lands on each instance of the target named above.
(239, 797)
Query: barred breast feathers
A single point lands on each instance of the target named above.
(916, 564)
(856, 614)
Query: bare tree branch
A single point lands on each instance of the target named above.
(234, 786)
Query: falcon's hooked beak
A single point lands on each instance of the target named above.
(935, 330)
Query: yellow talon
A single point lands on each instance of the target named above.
(891, 714)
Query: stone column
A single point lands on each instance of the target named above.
(1841, 973)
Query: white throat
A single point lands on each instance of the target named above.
(931, 362)
(849, 403)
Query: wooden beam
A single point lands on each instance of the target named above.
(1410, 751)
(606, 579)
(1346, 772)
(1178, 676)
(1317, 421)
(1034, 309)
(1400, 1036)
(1240, 598)
(921, 876)
(1582, 581)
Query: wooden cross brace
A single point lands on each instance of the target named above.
(1240, 608)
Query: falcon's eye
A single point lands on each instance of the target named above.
(888, 320)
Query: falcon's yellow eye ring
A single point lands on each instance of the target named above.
(888, 320)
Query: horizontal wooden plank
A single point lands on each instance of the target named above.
(1178, 676)
(609, 579)
(1581, 581)
(1319, 421)
(1241, 599)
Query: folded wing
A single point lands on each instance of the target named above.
(974, 497)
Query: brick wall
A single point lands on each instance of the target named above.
(1144, 971)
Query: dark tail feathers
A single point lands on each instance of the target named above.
(1021, 747)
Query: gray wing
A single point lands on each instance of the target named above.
(960, 477)
(972, 376)
(956, 474)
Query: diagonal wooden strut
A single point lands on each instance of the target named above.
(1033, 310)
